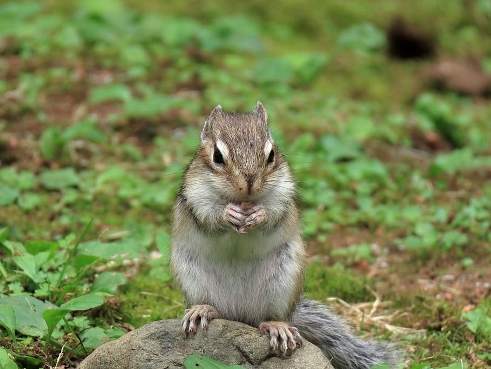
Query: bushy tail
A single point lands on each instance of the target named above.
(331, 334)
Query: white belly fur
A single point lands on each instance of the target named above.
(249, 278)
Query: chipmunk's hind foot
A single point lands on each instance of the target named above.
(284, 339)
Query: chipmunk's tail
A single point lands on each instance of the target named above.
(331, 334)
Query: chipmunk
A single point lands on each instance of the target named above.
(237, 252)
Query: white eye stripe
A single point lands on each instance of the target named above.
(267, 148)
(223, 148)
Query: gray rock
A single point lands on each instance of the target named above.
(161, 345)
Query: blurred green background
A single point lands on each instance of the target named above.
(382, 109)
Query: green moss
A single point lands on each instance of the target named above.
(146, 299)
(336, 281)
(447, 338)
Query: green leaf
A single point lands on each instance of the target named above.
(101, 8)
(35, 247)
(4, 233)
(8, 195)
(150, 106)
(28, 314)
(479, 321)
(7, 319)
(109, 282)
(28, 265)
(94, 337)
(68, 38)
(59, 179)
(3, 271)
(485, 356)
(52, 318)
(273, 70)
(355, 252)
(337, 149)
(85, 302)
(23, 180)
(85, 130)
(442, 118)
(51, 143)
(419, 366)
(15, 248)
(452, 162)
(108, 250)
(202, 362)
(307, 66)
(454, 239)
(29, 201)
(82, 261)
(134, 55)
(113, 92)
(362, 38)
(5, 361)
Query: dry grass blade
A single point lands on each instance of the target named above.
(365, 313)
(58, 360)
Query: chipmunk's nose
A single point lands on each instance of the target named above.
(250, 182)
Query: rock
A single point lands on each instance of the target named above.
(161, 345)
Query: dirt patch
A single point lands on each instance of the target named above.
(464, 76)
(61, 108)
(428, 141)
(418, 156)
(19, 147)
(440, 277)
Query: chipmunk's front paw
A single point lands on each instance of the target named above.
(198, 315)
(256, 216)
(234, 215)
(283, 337)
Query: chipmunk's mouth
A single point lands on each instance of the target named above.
(244, 198)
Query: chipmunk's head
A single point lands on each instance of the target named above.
(239, 153)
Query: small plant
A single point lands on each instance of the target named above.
(55, 281)
(479, 321)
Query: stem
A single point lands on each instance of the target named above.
(73, 251)
(76, 335)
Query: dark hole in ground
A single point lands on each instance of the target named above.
(407, 41)
(7, 156)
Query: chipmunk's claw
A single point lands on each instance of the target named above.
(256, 215)
(198, 315)
(283, 338)
(243, 217)
(234, 215)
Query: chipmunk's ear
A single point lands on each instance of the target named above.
(263, 115)
(205, 132)
(261, 112)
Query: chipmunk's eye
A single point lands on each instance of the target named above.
(218, 157)
(271, 156)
